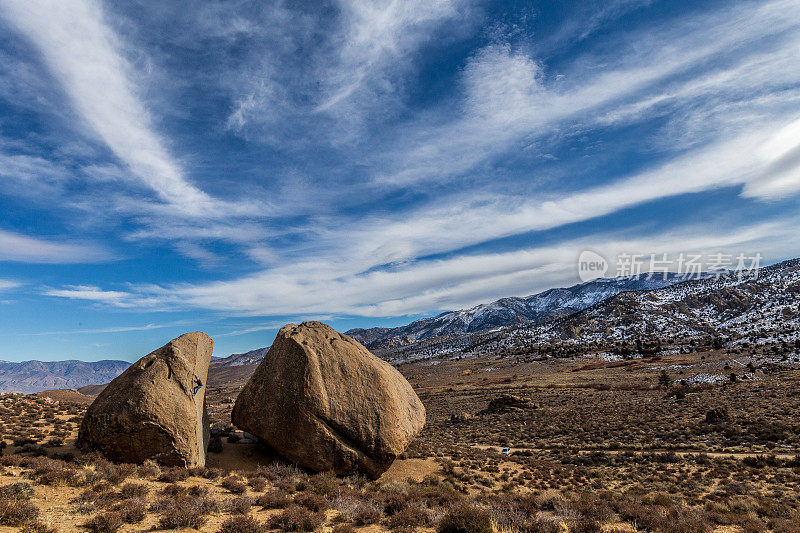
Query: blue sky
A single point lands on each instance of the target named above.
(233, 166)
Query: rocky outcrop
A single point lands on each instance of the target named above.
(156, 408)
(508, 403)
(323, 401)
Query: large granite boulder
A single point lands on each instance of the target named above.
(323, 401)
(155, 409)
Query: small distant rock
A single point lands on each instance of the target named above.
(323, 401)
(509, 403)
(458, 418)
(156, 408)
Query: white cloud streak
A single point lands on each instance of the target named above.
(7, 285)
(83, 53)
(22, 248)
(319, 287)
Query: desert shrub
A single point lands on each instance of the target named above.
(134, 490)
(279, 470)
(549, 500)
(107, 522)
(37, 526)
(205, 472)
(242, 524)
(257, 483)
(19, 490)
(392, 502)
(17, 512)
(311, 501)
(149, 469)
(67, 457)
(598, 509)
(132, 510)
(198, 490)
(289, 484)
(465, 519)
(323, 484)
(212, 473)
(410, 517)
(274, 499)
(233, 485)
(586, 525)
(174, 474)
(366, 513)
(173, 489)
(240, 505)
(116, 474)
(185, 511)
(10, 460)
(296, 518)
(343, 528)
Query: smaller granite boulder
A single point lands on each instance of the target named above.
(323, 401)
(155, 409)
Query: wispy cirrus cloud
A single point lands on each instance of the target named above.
(510, 98)
(356, 56)
(23, 248)
(84, 54)
(116, 329)
(317, 287)
(7, 284)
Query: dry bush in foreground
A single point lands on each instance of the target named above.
(242, 524)
(465, 519)
(296, 518)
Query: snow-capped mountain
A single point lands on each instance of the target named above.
(728, 309)
(253, 357)
(514, 311)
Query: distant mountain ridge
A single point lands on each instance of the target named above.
(35, 376)
(253, 357)
(726, 308)
(512, 311)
